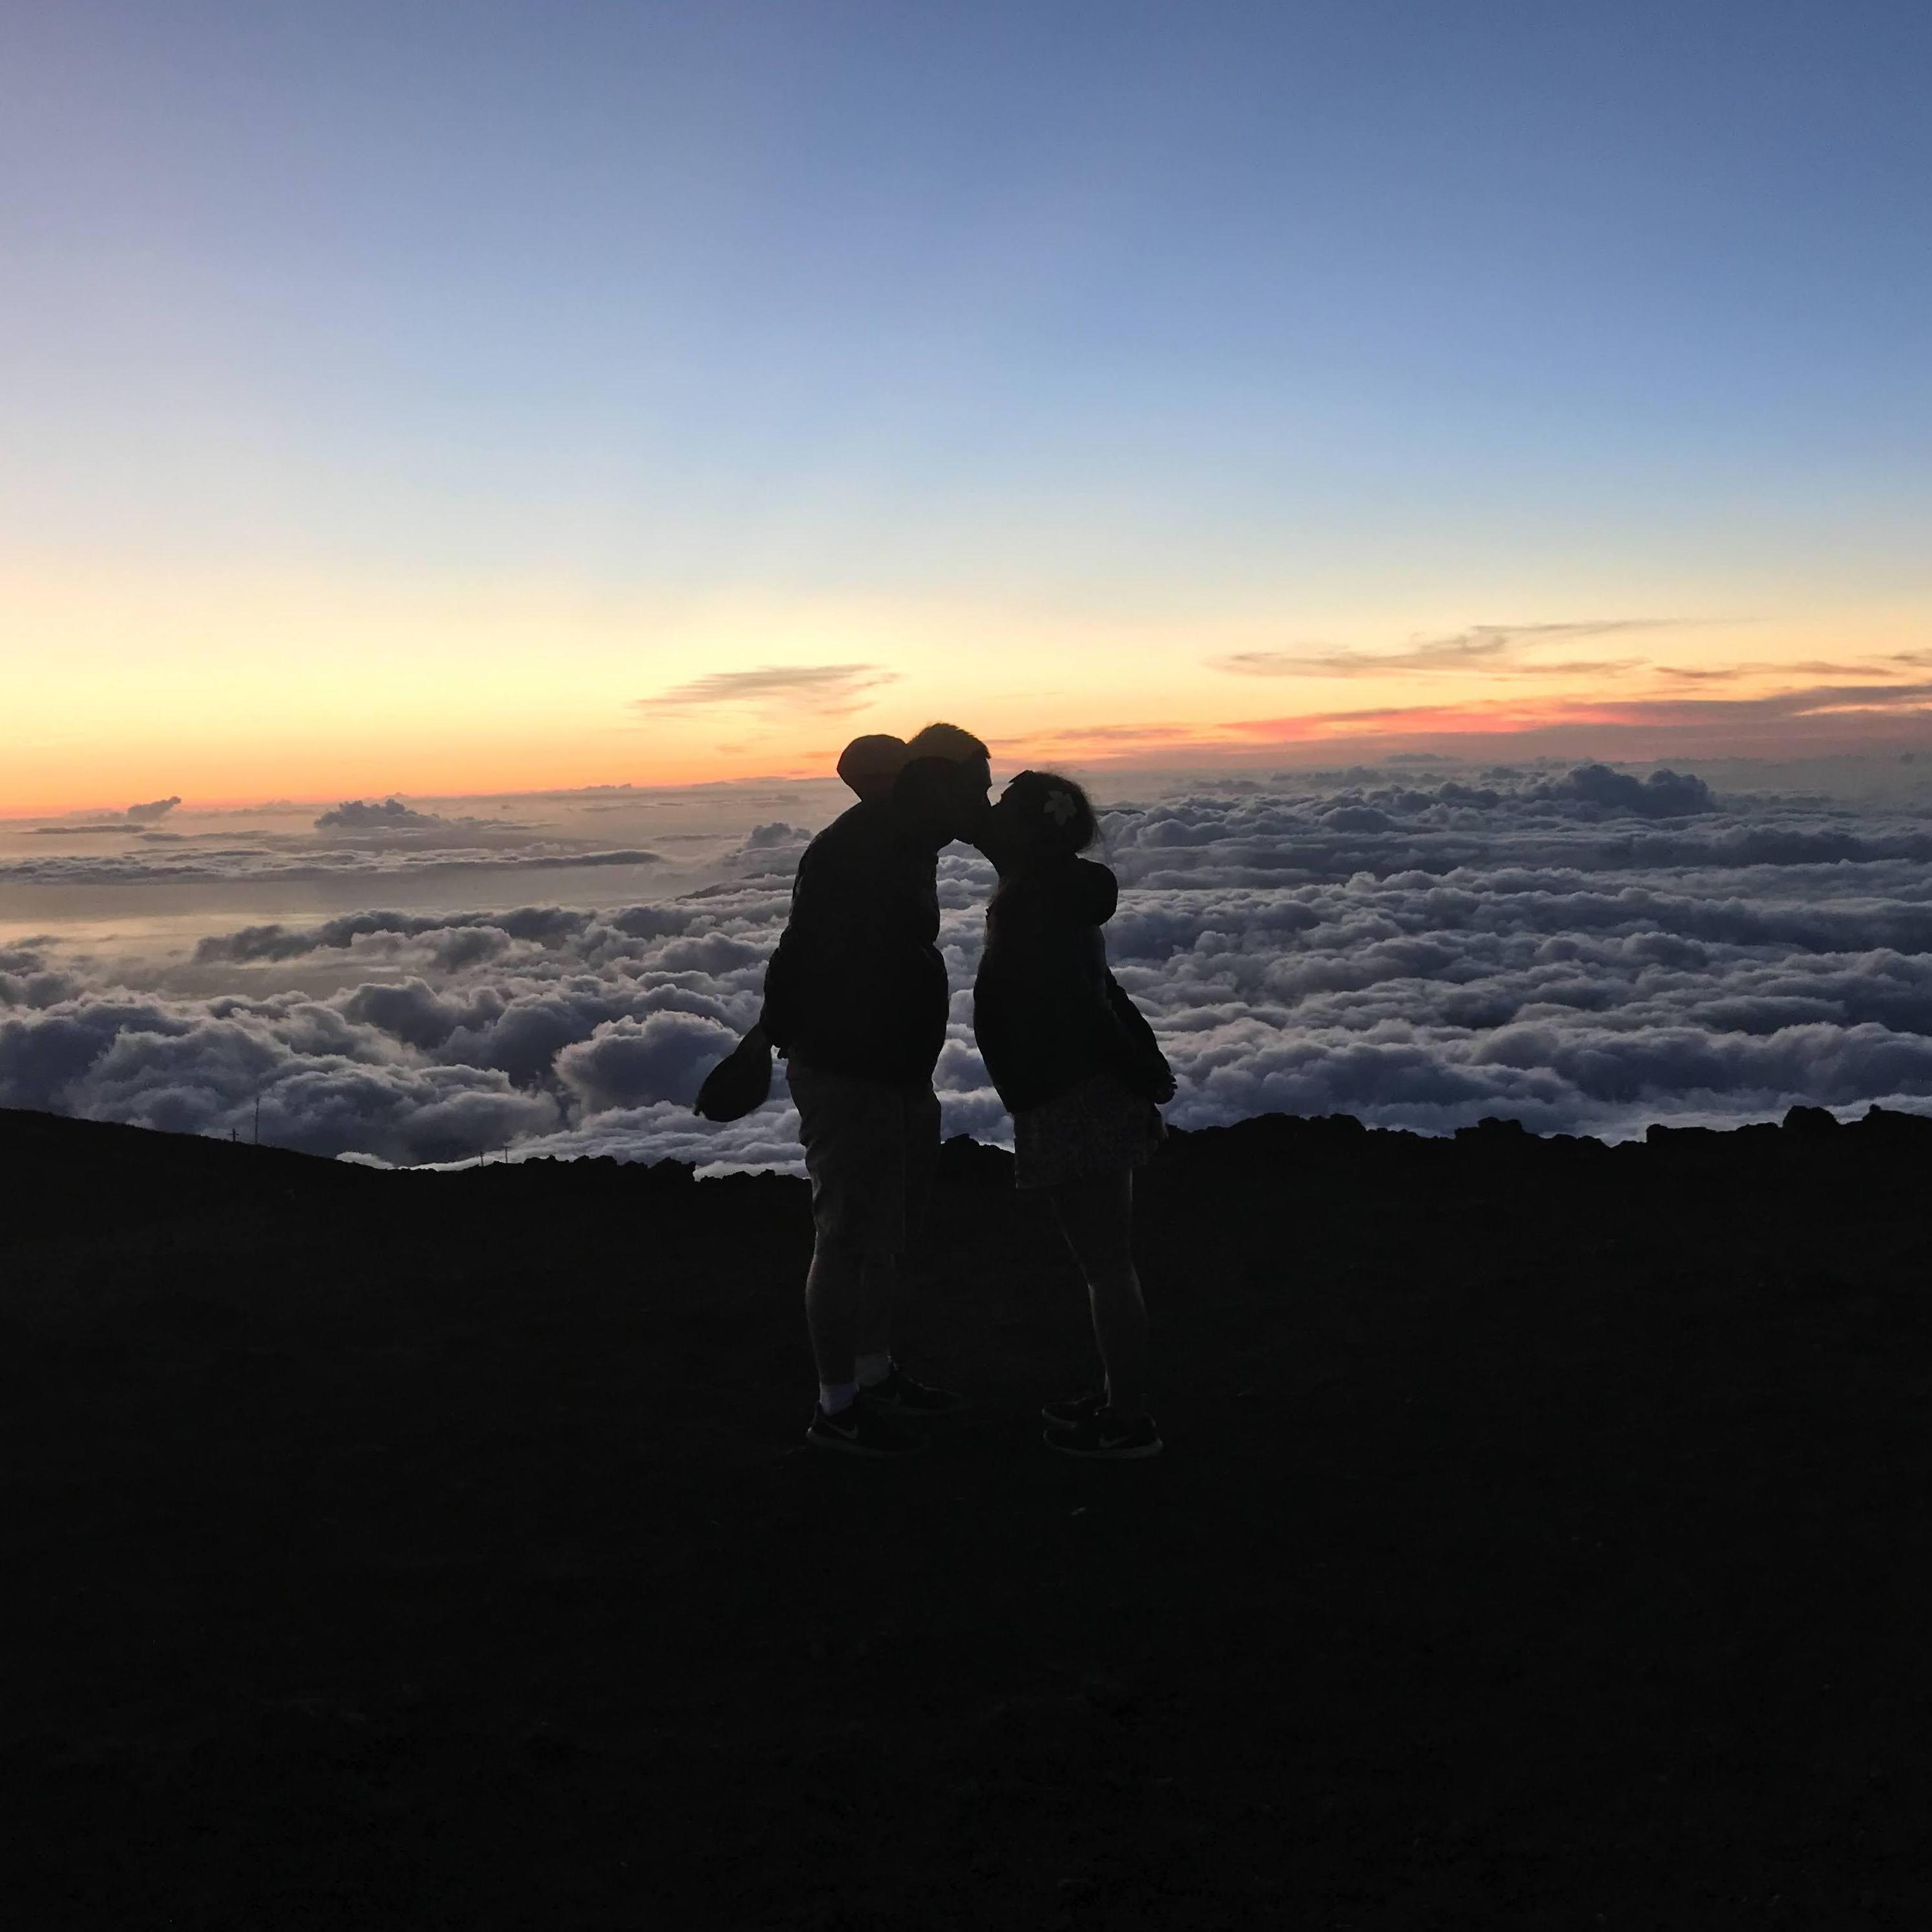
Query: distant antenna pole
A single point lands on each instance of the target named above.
(258, 1119)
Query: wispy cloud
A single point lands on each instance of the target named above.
(1492, 650)
(1804, 667)
(830, 690)
(1688, 720)
(1099, 734)
(1812, 719)
(1108, 744)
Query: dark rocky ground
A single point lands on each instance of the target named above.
(1544, 1541)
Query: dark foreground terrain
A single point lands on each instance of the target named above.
(1545, 1540)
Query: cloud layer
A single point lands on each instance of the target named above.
(1583, 951)
(390, 814)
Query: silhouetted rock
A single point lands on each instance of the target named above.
(1540, 1540)
(966, 1162)
(1883, 1127)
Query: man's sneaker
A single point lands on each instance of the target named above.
(1074, 1411)
(901, 1395)
(860, 1430)
(1106, 1437)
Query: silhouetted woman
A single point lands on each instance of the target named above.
(1080, 1068)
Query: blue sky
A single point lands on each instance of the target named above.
(1360, 321)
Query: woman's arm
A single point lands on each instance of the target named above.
(1142, 1064)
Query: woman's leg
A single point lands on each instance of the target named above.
(1097, 1218)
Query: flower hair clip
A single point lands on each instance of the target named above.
(1060, 808)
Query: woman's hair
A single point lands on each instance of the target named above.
(1053, 812)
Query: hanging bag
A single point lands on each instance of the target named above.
(740, 1083)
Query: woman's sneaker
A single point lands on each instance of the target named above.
(1074, 1411)
(859, 1430)
(904, 1396)
(1107, 1438)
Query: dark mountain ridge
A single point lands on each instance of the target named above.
(1542, 1539)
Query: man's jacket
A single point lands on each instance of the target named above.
(857, 985)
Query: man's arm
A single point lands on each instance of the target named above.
(779, 1016)
(790, 971)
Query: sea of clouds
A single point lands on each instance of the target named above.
(1583, 950)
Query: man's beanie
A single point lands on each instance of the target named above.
(869, 764)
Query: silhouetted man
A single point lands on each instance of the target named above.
(855, 999)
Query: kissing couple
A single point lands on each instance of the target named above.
(855, 1000)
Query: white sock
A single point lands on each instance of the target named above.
(834, 1397)
(873, 1369)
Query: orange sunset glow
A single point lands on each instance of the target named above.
(230, 689)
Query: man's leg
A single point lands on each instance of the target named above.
(830, 1124)
(833, 1304)
(917, 1155)
(878, 1283)
(833, 1294)
(918, 1158)
(850, 1131)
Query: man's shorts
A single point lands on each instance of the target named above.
(871, 1146)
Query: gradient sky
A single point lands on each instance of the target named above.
(467, 397)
